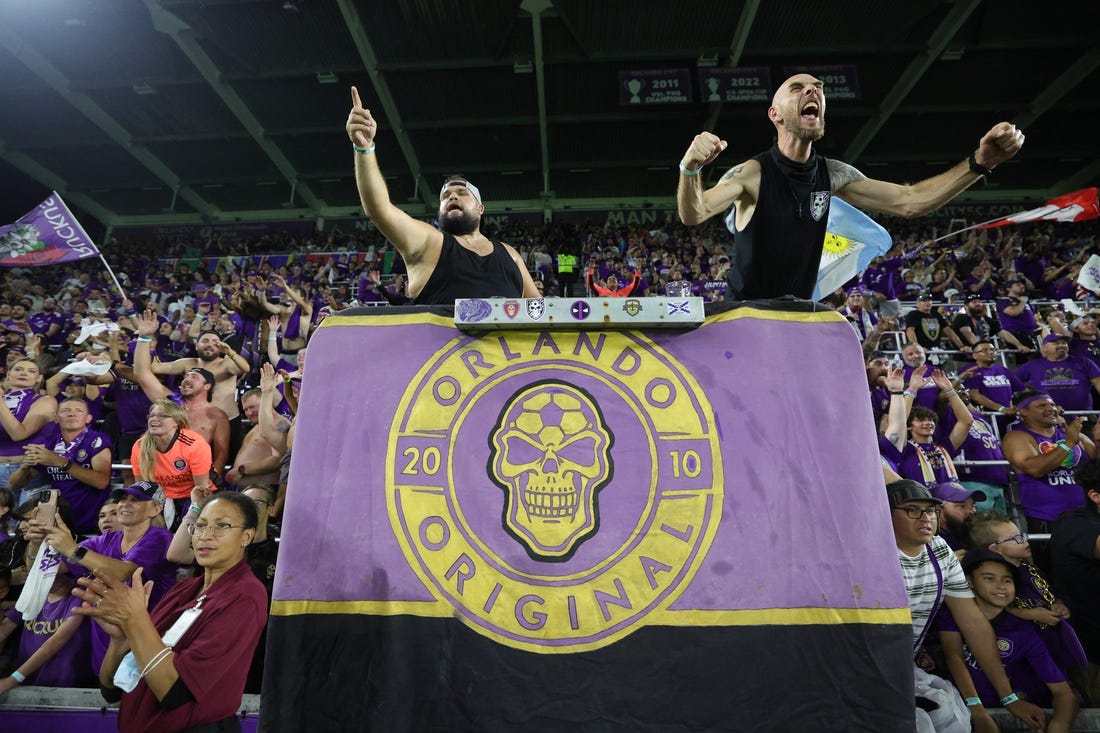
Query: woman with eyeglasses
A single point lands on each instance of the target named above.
(182, 666)
(173, 456)
(262, 554)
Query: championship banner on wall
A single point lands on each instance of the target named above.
(643, 531)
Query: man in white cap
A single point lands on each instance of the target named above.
(1086, 339)
(454, 261)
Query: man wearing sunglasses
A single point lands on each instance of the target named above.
(934, 578)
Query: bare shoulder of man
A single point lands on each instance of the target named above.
(841, 174)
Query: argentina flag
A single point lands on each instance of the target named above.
(852, 240)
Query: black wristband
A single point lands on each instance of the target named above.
(900, 391)
(981, 170)
(67, 466)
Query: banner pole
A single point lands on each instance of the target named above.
(967, 229)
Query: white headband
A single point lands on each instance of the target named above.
(465, 184)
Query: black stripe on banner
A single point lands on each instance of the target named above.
(404, 674)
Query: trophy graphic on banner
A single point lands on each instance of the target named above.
(712, 85)
(634, 86)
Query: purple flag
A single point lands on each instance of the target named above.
(46, 235)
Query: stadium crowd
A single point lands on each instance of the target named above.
(982, 359)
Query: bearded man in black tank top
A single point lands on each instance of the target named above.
(454, 261)
(780, 198)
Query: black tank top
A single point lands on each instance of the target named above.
(779, 252)
(461, 273)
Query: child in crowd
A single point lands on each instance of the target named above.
(1033, 673)
(55, 645)
(1035, 600)
(108, 517)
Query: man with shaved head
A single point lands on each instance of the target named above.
(780, 198)
(454, 261)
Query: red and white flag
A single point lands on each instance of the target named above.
(1074, 206)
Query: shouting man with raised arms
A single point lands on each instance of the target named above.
(780, 198)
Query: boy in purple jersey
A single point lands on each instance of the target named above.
(1035, 598)
(1033, 674)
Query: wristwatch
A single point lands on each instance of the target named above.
(78, 553)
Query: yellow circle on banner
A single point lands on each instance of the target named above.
(555, 489)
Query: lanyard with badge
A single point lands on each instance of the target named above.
(127, 676)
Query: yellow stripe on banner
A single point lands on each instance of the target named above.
(426, 609)
(748, 617)
(826, 315)
(398, 319)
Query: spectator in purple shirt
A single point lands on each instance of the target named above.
(1069, 380)
(54, 645)
(909, 439)
(1027, 663)
(75, 459)
(1015, 314)
(119, 554)
(991, 385)
(1086, 338)
(981, 444)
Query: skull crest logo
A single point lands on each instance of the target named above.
(551, 454)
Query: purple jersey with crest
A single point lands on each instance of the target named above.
(1085, 349)
(1024, 656)
(84, 499)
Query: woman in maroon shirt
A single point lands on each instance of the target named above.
(182, 676)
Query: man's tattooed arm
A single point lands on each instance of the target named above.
(841, 174)
(733, 173)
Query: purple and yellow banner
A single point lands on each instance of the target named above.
(559, 490)
(48, 234)
(480, 519)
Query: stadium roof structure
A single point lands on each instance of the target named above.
(162, 111)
